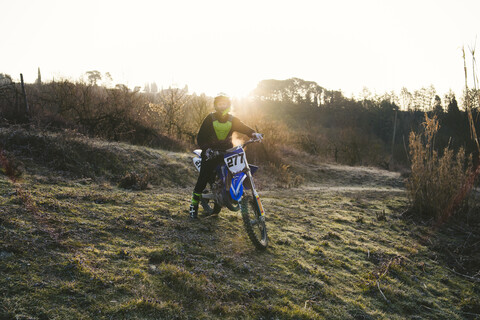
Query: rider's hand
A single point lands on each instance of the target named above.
(209, 153)
(257, 136)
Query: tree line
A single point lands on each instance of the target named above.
(361, 130)
(355, 131)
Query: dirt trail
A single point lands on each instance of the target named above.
(340, 178)
(338, 175)
(350, 188)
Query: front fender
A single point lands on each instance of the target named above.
(236, 186)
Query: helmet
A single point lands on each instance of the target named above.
(222, 97)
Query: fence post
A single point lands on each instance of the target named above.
(24, 94)
(390, 165)
(16, 97)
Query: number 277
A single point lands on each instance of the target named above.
(232, 161)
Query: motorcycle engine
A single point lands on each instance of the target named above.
(217, 187)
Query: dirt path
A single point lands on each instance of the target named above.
(333, 175)
(333, 178)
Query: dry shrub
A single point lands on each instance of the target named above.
(114, 114)
(314, 142)
(9, 166)
(348, 145)
(284, 176)
(436, 177)
(275, 151)
(272, 152)
(134, 181)
(276, 135)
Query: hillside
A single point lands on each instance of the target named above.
(74, 245)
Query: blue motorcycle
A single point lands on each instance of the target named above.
(234, 188)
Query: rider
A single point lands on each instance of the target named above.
(216, 133)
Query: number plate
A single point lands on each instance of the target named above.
(197, 162)
(236, 162)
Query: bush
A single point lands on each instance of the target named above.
(9, 166)
(134, 181)
(114, 114)
(436, 178)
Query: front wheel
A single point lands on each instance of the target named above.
(253, 222)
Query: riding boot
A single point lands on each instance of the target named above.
(194, 206)
(193, 211)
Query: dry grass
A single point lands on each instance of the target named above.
(85, 249)
(436, 177)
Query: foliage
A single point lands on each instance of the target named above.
(435, 178)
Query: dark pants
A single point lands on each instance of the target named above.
(207, 172)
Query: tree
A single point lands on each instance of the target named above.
(108, 79)
(406, 99)
(5, 79)
(93, 77)
(453, 118)
(199, 107)
(452, 107)
(39, 77)
(8, 93)
(423, 98)
(366, 94)
(293, 90)
(334, 98)
(153, 87)
(172, 107)
(437, 105)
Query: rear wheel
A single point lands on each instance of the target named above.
(232, 205)
(253, 222)
(210, 206)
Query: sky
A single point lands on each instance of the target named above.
(229, 46)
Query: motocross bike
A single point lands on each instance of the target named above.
(233, 187)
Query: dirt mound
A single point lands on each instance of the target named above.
(69, 153)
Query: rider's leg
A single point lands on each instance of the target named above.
(206, 170)
(203, 177)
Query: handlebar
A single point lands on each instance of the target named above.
(251, 141)
(209, 154)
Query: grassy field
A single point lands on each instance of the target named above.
(74, 245)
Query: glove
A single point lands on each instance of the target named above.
(209, 153)
(257, 136)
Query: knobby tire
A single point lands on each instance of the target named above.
(256, 233)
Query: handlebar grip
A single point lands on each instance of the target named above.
(212, 154)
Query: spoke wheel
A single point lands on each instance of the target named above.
(210, 206)
(253, 222)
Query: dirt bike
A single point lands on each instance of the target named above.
(233, 187)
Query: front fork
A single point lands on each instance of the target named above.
(256, 196)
